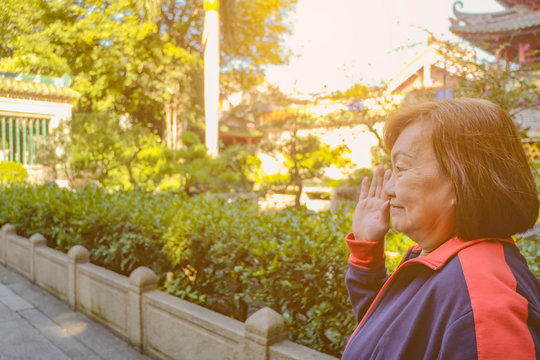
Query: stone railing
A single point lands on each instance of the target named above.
(158, 324)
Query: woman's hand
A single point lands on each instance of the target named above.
(371, 219)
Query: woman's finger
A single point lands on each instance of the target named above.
(364, 188)
(380, 182)
(374, 183)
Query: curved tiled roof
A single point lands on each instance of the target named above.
(531, 4)
(518, 18)
(45, 91)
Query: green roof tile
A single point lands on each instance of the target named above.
(42, 90)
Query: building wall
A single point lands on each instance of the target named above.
(53, 112)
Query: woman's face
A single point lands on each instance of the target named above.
(422, 198)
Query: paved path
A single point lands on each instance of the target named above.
(36, 325)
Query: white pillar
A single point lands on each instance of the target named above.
(211, 74)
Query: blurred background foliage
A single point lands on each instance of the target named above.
(140, 58)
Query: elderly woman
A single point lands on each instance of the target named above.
(460, 187)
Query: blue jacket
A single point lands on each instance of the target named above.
(465, 300)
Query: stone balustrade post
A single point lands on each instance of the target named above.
(264, 328)
(141, 279)
(7, 230)
(77, 255)
(36, 240)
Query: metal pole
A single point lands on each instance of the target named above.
(24, 144)
(4, 138)
(38, 138)
(32, 142)
(44, 130)
(18, 140)
(11, 147)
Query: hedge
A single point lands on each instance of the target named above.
(226, 255)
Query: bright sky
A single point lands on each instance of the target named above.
(341, 42)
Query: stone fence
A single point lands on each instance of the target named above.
(158, 324)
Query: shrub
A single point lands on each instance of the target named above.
(12, 173)
(224, 254)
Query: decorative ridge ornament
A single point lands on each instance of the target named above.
(518, 15)
(456, 12)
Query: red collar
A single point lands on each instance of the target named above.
(440, 256)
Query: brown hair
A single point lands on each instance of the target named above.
(478, 148)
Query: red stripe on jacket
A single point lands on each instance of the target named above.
(500, 313)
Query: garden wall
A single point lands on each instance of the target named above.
(158, 324)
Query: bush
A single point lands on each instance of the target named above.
(230, 250)
(224, 254)
(530, 249)
(12, 173)
(121, 230)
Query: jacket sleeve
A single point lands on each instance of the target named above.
(366, 273)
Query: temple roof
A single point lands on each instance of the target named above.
(533, 5)
(514, 19)
(521, 23)
(35, 87)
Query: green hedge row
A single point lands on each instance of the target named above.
(226, 255)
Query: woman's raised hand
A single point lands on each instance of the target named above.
(371, 219)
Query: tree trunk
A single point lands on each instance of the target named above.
(168, 127)
(295, 176)
(174, 128)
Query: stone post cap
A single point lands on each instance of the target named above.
(266, 326)
(144, 278)
(38, 240)
(79, 254)
(8, 229)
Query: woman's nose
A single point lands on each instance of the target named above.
(388, 188)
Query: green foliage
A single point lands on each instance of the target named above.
(12, 173)
(141, 58)
(224, 254)
(103, 150)
(530, 249)
(122, 230)
(355, 92)
(97, 147)
(355, 178)
(230, 171)
(395, 246)
(305, 157)
(382, 105)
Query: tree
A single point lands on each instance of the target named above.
(305, 156)
(369, 108)
(125, 58)
(102, 150)
(355, 92)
